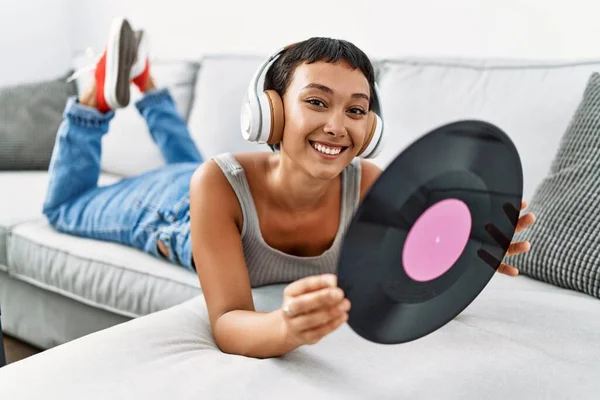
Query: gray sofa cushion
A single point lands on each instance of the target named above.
(21, 201)
(105, 275)
(566, 237)
(30, 114)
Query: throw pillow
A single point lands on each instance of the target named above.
(565, 239)
(30, 115)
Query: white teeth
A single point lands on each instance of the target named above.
(326, 149)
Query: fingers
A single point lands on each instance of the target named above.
(313, 307)
(525, 222)
(503, 268)
(310, 284)
(507, 270)
(321, 317)
(498, 236)
(511, 212)
(492, 261)
(314, 335)
(320, 299)
(518, 248)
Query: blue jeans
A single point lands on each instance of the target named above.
(137, 211)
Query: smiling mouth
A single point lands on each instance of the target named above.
(327, 150)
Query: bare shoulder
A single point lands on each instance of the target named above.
(207, 173)
(210, 189)
(210, 184)
(369, 174)
(209, 177)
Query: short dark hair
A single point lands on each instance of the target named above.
(313, 50)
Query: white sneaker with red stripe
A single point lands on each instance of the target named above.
(125, 60)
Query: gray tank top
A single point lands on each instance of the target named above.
(267, 265)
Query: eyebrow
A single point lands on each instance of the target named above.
(326, 89)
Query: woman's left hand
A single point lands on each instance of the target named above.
(515, 248)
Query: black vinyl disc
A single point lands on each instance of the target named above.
(431, 232)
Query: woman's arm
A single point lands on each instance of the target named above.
(221, 268)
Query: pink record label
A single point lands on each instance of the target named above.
(436, 240)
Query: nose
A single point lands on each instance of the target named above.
(336, 124)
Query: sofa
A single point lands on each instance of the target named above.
(526, 336)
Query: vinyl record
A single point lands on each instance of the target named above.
(431, 232)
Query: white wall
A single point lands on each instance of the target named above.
(383, 28)
(35, 40)
(39, 37)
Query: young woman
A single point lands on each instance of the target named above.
(244, 220)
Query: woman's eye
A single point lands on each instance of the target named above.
(358, 111)
(315, 102)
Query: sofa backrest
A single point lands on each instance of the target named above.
(214, 119)
(532, 102)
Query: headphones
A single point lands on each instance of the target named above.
(262, 117)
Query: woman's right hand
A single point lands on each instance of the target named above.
(312, 308)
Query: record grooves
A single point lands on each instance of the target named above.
(431, 232)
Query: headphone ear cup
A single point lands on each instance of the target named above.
(371, 126)
(276, 115)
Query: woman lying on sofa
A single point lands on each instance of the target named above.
(240, 221)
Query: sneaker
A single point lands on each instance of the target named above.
(140, 71)
(113, 70)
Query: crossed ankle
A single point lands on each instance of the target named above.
(143, 80)
(149, 85)
(89, 97)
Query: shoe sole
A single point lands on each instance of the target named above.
(120, 55)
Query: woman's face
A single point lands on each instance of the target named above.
(326, 113)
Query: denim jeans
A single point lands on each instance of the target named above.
(137, 211)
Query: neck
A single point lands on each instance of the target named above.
(292, 188)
